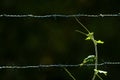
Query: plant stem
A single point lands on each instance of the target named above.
(96, 55)
(99, 77)
(82, 25)
(81, 32)
(69, 74)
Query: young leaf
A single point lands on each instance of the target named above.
(89, 36)
(90, 58)
(100, 42)
(101, 72)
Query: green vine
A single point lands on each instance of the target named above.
(90, 36)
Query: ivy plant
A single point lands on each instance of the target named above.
(91, 58)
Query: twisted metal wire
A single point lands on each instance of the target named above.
(55, 65)
(58, 15)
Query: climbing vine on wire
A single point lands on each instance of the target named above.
(91, 58)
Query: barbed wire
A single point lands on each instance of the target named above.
(58, 15)
(56, 65)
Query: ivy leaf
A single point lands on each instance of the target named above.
(101, 72)
(89, 36)
(99, 42)
(90, 58)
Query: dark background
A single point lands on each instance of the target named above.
(34, 41)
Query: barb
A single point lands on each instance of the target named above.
(58, 15)
(56, 65)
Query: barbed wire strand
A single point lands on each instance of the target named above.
(56, 65)
(58, 15)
